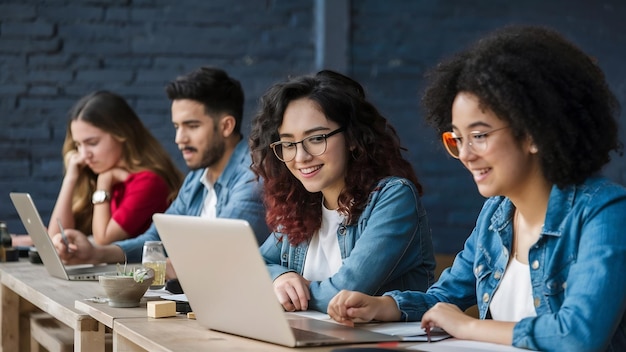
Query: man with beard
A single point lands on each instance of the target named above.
(207, 109)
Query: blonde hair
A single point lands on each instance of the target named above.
(141, 150)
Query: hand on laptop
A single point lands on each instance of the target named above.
(292, 291)
(79, 251)
(349, 307)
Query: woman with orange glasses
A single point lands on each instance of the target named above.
(533, 120)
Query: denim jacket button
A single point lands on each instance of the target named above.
(478, 269)
(485, 297)
(535, 265)
(537, 302)
(564, 285)
(342, 230)
(497, 275)
(284, 256)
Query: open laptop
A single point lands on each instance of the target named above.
(229, 288)
(37, 230)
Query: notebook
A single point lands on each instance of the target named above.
(37, 230)
(229, 288)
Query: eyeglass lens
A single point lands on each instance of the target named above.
(476, 140)
(451, 144)
(314, 145)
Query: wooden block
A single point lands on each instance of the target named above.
(191, 315)
(161, 309)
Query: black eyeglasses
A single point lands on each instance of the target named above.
(314, 145)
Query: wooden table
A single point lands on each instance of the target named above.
(182, 334)
(134, 331)
(27, 287)
(106, 314)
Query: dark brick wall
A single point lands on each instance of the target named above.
(52, 52)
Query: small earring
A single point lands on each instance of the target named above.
(533, 149)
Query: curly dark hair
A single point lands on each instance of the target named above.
(211, 86)
(544, 87)
(291, 209)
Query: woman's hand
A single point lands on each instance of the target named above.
(349, 307)
(292, 291)
(448, 317)
(74, 162)
(107, 179)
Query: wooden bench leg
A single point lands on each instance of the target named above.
(48, 334)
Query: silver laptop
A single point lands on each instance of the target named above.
(229, 288)
(37, 230)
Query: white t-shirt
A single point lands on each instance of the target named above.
(323, 258)
(209, 207)
(513, 300)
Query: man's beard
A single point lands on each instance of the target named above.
(212, 154)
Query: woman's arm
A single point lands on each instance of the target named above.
(390, 244)
(105, 229)
(62, 211)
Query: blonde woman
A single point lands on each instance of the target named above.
(117, 173)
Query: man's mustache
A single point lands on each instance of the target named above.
(188, 149)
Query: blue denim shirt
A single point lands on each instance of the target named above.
(389, 247)
(577, 270)
(238, 197)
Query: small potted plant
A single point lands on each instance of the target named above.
(125, 288)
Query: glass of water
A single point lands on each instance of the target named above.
(154, 258)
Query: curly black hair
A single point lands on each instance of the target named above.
(376, 151)
(545, 87)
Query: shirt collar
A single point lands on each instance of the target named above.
(560, 203)
(204, 180)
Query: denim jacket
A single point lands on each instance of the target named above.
(238, 197)
(577, 270)
(389, 247)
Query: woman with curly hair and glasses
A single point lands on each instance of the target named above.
(342, 201)
(533, 120)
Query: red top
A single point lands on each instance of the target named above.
(135, 200)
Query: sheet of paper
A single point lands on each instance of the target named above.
(454, 345)
(313, 314)
(157, 293)
(409, 331)
(179, 297)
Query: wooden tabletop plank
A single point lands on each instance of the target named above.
(106, 314)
